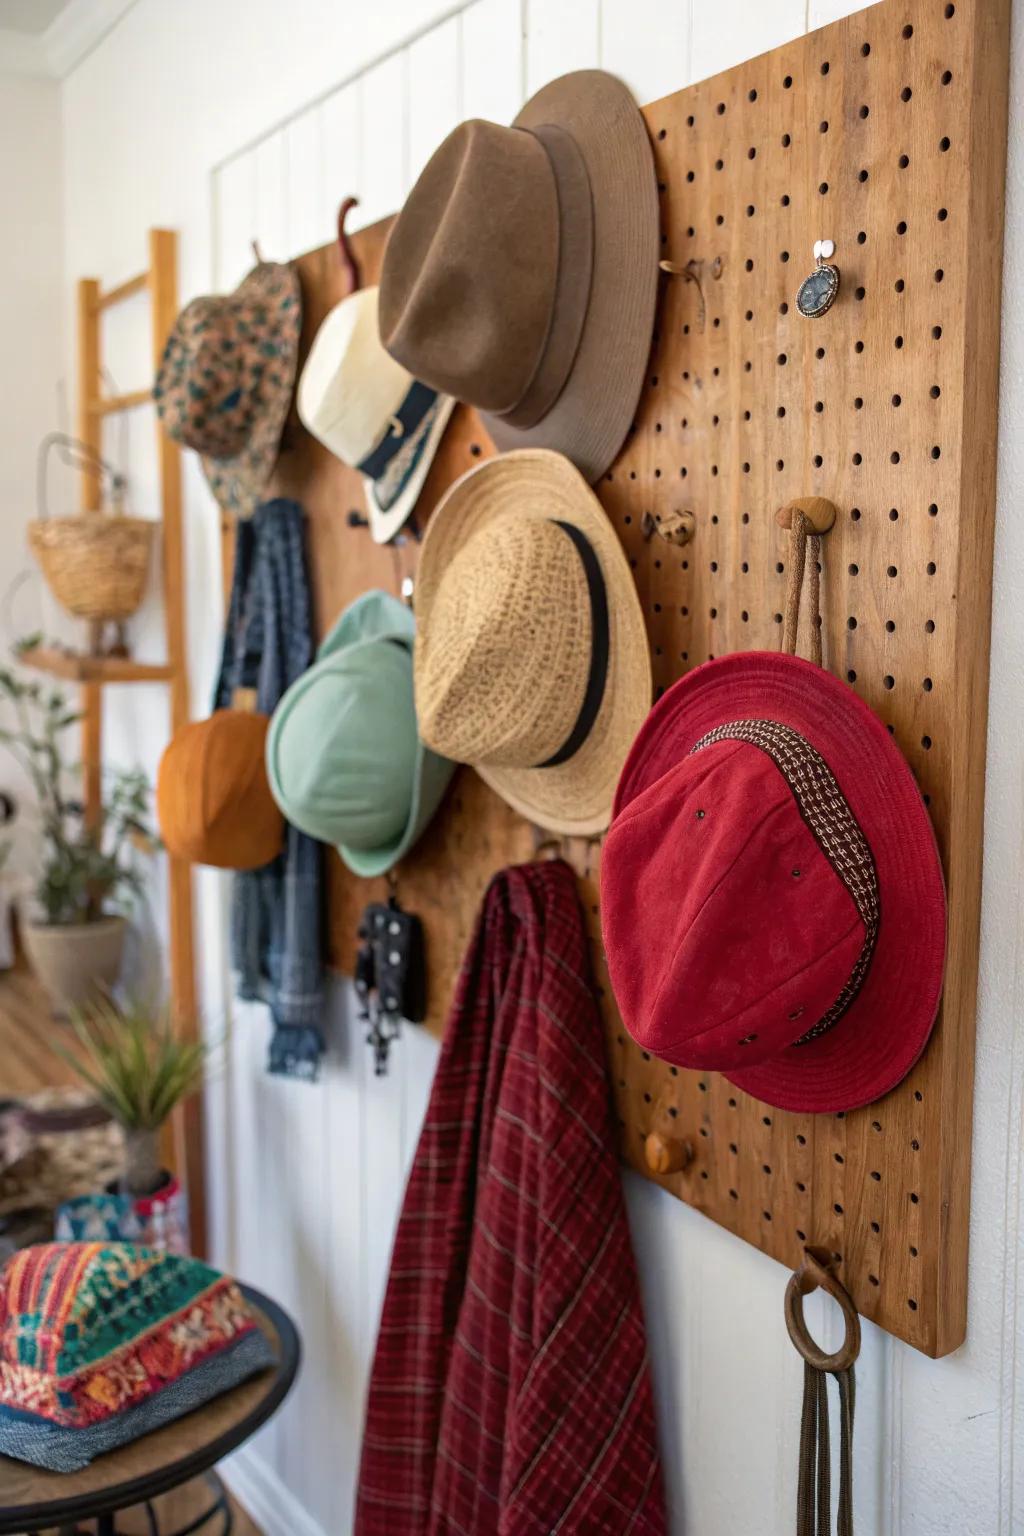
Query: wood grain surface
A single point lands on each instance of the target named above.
(884, 132)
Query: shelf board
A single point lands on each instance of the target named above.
(94, 669)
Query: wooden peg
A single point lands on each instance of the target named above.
(245, 700)
(665, 1155)
(821, 514)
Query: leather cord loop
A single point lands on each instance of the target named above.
(805, 555)
(814, 1483)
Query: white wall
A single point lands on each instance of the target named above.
(305, 1183)
(32, 353)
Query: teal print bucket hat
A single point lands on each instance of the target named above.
(344, 757)
(226, 380)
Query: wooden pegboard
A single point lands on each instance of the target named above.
(886, 133)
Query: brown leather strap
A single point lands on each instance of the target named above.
(804, 555)
(814, 1490)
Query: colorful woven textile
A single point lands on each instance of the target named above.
(510, 1393)
(100, 1343)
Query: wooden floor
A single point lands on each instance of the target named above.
(29, 1061)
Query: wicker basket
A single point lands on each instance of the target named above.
(95, 563)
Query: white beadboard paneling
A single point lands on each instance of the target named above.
(493, 60)
(383, 172)
(340, 138)
(303, 149)
(236, 221)
(822, 12)
(347, 1344)
(561, 35)
(271, 226)
(647, 44)
(435, 95)
(728, 31)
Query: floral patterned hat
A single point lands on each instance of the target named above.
(102, 1342)
(226, 379)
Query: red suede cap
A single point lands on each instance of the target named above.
(772, 898)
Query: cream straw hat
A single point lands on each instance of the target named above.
(531, 659)
(370, 411)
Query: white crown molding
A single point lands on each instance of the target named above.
(72, 35)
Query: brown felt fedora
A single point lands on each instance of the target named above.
(521, 274)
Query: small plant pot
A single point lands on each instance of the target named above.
(156, 1221)
(75, 961)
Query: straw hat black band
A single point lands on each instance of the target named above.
(598, 674)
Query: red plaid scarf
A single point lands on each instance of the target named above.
(510, 1391)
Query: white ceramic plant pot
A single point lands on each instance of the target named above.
(75, 961)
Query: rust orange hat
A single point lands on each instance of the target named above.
(213, 801)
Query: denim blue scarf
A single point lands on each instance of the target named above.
(276, 910)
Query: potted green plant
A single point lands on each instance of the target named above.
(140, 1069)
(74, 938)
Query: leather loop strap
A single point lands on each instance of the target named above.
(803, 543)
(813, 1516)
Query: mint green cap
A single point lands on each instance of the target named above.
(344, 758)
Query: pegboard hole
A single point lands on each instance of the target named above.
(890, 625)
(838, 1208)
(787, 82)
(897, 342)
(858, 402)
(903, 162)
(873, 1279)
(906, 93)
(865, 49)
(911, 1303)
(899, 285)
(875, 1228)
(943, 144)
(946, 76)
(876, 1175)
(801, 1139)
(908, 31)
(864, 111)
(936, 333)
(888, 683)
(915, 1199)
(786, 141)
(942, 215)
(802, 1188)
(839, 1157)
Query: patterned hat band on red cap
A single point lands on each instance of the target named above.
(821, 803)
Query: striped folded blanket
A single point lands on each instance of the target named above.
(102, 1342)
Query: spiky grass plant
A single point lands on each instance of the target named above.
(140, 1069)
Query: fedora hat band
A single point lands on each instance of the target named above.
(825, 810)
(597, 675)
(395, 457)
(571, 295)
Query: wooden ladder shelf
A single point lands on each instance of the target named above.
(91, 674)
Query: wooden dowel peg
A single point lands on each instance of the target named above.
(666, 1155)
(820, 514)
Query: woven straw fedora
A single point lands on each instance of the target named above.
(521, 275)
(531, 654)
(370, 411)
(226, 378)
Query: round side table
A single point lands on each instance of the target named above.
(32, 1499)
